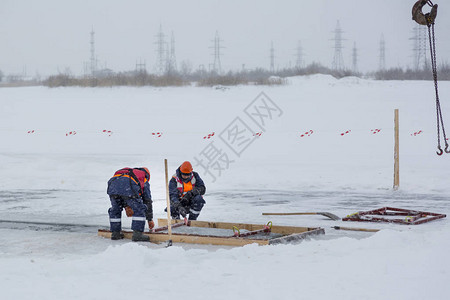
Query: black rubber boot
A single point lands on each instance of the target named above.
(117, 235)
(139, 237)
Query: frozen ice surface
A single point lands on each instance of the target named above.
(48, 177)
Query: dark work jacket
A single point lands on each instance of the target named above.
(125, 186)
(174, 191)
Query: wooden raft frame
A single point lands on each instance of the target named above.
(290, 234)
(408, 216)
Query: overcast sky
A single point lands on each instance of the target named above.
(48, 36)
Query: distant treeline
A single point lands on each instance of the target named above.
(119, 79)
(408, 74)
(245, 77)
(174, 79)
(200, 78)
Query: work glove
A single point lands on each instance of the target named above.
(189, 195)
(129, 211)
(151, 224)
(182, 211)
(185, 201)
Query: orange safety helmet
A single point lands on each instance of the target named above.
(186, 167)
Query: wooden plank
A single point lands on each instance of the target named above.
(218, 225)
(168, 199)
(396, 151)
(107, 234)
(326, 214)
(191, 238)
(355, 229)
(284, 230)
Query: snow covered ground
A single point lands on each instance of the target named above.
(60, 146)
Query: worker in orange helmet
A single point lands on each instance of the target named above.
(186, 189)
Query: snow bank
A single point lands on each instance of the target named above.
(343, 268)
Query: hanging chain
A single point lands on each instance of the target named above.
(439, 118)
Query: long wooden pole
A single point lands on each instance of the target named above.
(396, 152)
(355, 229)
(169, 222)
(326, 214)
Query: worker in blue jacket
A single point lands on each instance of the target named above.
(129, 188)
(186, 190)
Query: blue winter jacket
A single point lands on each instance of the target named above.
(124, 186)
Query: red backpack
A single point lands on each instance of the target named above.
(139, 175)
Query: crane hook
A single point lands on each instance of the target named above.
(439, 152)
(446, 149)
(420, 17)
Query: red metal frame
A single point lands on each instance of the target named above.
(248, 233)
(163, 228)
(412, 217)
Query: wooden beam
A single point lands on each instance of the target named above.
(284, 230)
(168, 200)
(396, 152)
(290, 234)
(191, 238)
(355, 229)
(326, 214)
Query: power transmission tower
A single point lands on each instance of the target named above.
(86, 69)
(272, 58)
(299, 56)
(355, 58)
(141, 67)
(338, 60)
(420, 47)
(167, 67)
(93, 64)
(217, 67)
(160, 57)
(172, 58)
(382, 53)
